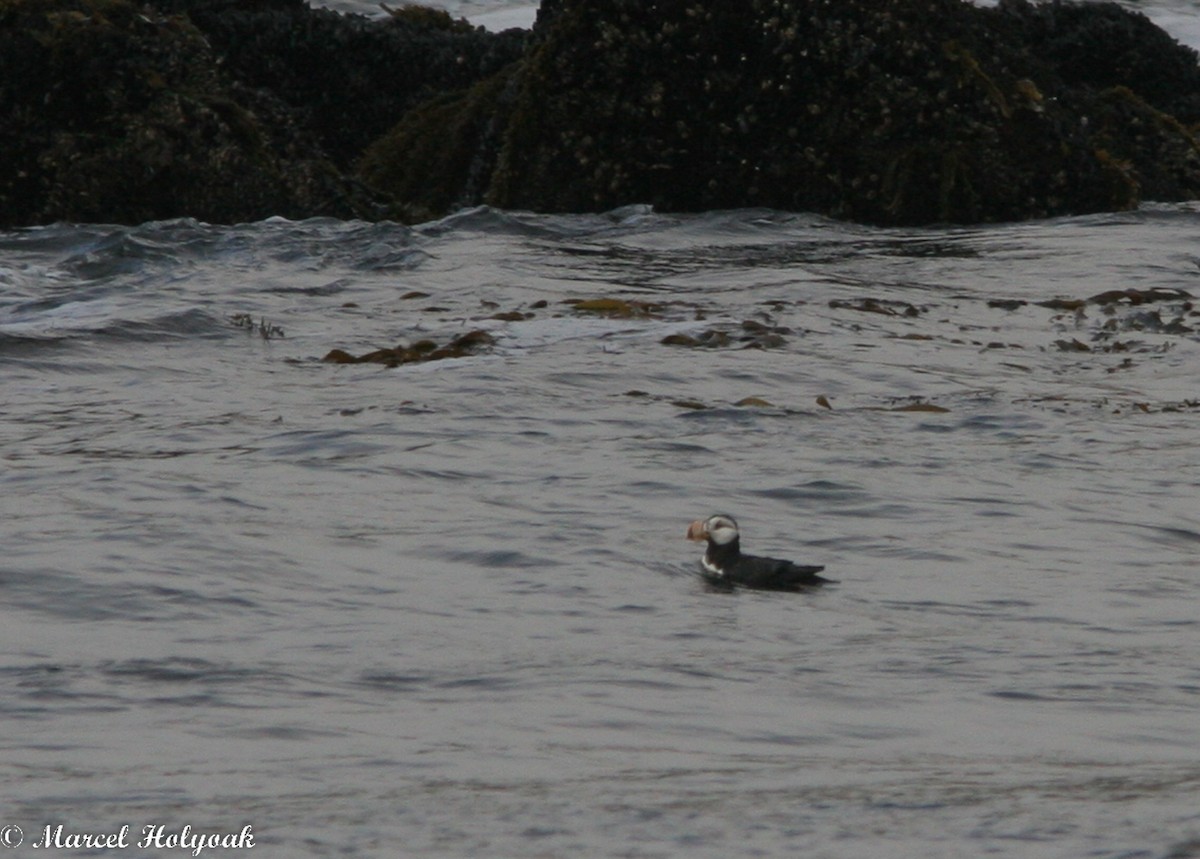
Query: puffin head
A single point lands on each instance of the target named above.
(720, 529)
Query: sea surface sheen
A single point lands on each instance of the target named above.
(447, 609)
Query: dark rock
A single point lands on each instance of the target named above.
(442, 155)
(1102, 45)
(884, 111)
(349, 77)
(112, 112)
(892, 112)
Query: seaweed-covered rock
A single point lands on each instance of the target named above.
(115, 110)
(1101, 45)
(886, 111)
(904, 112)
(347, 77)
(112, 112)
(1136, 89)
(442, 155)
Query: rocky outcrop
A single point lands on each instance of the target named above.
(883, 111)
(908, 112)
(347, 77)
(119, 111)
(115, 113)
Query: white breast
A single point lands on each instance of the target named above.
(711, 569)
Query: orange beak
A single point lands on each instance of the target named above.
(696, 531)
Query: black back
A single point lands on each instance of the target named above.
(749, 571)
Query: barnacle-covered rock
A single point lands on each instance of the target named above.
(110, 111)
(906, 112)
(1102, 45)
(121, 111)
(349, 77)
(883, 111)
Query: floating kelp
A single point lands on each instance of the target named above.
(882, 306)
(1140, 296)
(616, 308)
(913, 405)
(1154, 310)
(1071, 304)
(517, 314)
(1158, 310)
(1181, 406)
(511, 316)
(1006, 303)
(1166, 408)
(1130, 297)
(1110, 348)
(710, 339)
(1151, 321)
(930, 408)
(265, 329)
(769, 335)
(753, 335)
(695, 405)
(420, 351)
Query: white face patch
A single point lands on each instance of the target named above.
(722, 530)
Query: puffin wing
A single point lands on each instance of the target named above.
(776, 574)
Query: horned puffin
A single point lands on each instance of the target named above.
(724, 564)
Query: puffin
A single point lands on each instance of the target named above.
(725, 565)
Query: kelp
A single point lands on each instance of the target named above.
(617, 308)
(421, 351)
(753, 335)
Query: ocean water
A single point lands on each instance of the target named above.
(493, 14)
(446, 609)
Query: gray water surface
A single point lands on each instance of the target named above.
(446, 608)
